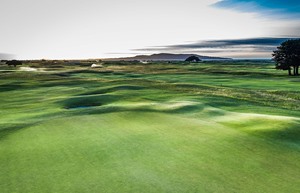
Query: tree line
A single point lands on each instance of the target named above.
(287, 56)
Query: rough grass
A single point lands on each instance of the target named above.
(210, 127)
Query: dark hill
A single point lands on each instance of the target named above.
(166, 57)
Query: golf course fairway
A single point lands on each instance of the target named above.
(208, 127)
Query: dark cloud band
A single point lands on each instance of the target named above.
(257, 45)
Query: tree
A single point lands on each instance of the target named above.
(287, 56)
(14, 63)
(193, 59)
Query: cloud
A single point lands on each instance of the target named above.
(273, 8)
(229, 43)
(234, 42)
(250, 46)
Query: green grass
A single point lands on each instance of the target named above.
(208, 127)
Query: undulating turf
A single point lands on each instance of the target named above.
(158, 127)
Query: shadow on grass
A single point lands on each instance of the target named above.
(113, 89)
(11, 129)
(89, 101)
(11, 87)
(290, 134)
(286, 131)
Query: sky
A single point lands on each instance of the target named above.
(82, 29)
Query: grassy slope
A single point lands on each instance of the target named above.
(158, 128)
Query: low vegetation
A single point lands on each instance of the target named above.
(14, 63)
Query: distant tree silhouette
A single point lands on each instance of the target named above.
(14, 63)
(287, 56)
(193, 59)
